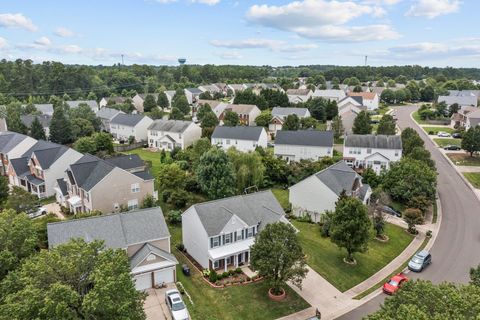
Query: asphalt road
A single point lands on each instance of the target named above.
(457, 247)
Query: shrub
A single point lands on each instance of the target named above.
(206, 273)
(174, 216)
(225, 274)
(231, 272)
(220, 276)
(181, 247)
(213, 277)
(179, 198)
(431, 132)
(429, 234)
(238, 270)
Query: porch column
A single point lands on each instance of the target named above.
(236, 260)
(225, 264)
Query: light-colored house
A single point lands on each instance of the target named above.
(106, 185)
(139, 99)
(43, 108)
(106, 115)
(38, 169)
(370, 99)
(236, 87)
(348, 109)
(143, 234)
(372, 151)
(169, 134)
(462, 98)
(319, 192)
(13, 145)
(123, 126)
(247, 113)
(332, 94)
(472, 119)
(112, 100)
(299, 95)
(217, 106)
(218, 234)
(92, 104)
(44, 119)
(303, 145)
(211, 88)
(192, 94)
(279, 115)
(243, 138)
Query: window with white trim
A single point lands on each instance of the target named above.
(215, 242)
(135, 187)
(132, 204)
(216, 264)
(227, 141)
(250, 232)
(228, 238)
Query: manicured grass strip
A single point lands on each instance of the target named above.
(417, 118)
(282, 196)
(435, 212)
(327, 259)
(236, 302)
(438, 129)
(464, 159)
(445, 142)
(473, 178)
(398, 270)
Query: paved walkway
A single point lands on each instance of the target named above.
(468, 168)
(154, 305)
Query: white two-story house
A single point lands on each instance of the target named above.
(218, 234)
(303, 145)
(169, 134)
(280, 114)
(123, 126)
(370, 99)
(372, 151)
(242, 138)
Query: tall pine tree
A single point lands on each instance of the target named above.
(15, 124)
(36, 130)
(60, 128)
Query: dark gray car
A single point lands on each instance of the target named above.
(420, 261)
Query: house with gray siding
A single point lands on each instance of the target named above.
(123, 126)
(303, 145)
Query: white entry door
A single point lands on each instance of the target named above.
(165, 275)
(143, 281)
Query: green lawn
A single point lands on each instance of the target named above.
(327, 259)
(153, 157)
(282, 196)
(464, 159)
(322, 126)
(416, 117)
(437, 129)
(474, 178)
(236, 302)
(445, 142)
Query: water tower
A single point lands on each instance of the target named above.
(182, 61)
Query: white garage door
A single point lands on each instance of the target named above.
(143, 281)
(164, 276)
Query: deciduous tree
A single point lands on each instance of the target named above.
(149, 103)
(361, 124)
(387, 125)
(231, 119)
(21, 200)
(292, 123)
(216, 174)
(471, 140)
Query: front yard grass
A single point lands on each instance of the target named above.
(445, 142)
(464, 159)
(435, 130)
(473, 178)
(282, 196)
(417, 118)
(327, 259)
(236, 302)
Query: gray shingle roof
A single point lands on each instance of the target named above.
(305, 138)
(144, 175)
(338, 177)
(117, 230)
(20, 165)
(9, 140)
(460, 99)
(40, 145)
(46, 108)
(260, 207)
(89, 170)
(194, 90)
(239, 132)
(44, 119)
(75, 103)
(148, 249)
(126, 162)
(130, 120)
(62, 185)
(283, 112)
(46, 157)
(107, 113)
(373, 141)
(170, 125)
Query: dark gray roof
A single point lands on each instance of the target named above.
(194, 90)
(338, 177)
(34, 180)
(45, 108)
(148, 249)
(143, 175)
(75, 103)
(44, 119)
(373, 141)
(170, 125)
(117, 230)
(46, 157)
(40, 145)
(127, 161)
(89, 170)
(363, 191)
(260, 207)
(238, 132)
(62, 185)
(359, 99)
(305, 138)
(283, 112)
(130, 120)
(9, 140)
(20, 165)
(107, 113)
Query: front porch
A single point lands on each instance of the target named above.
(33, 185)
(233, 261)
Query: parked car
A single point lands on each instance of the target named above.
(443, 134)
(395, 283)
(457, 135)
(420, 261)
(39, 211)
(185, 270)
(175, 304)
(390, 211)
(452, 147)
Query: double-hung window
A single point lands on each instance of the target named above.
(228, 238)
(215, 242)
(132, 204)
(135, 187)
(250, 232)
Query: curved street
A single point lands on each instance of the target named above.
(456, 247)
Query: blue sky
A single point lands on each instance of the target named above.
(248, 32)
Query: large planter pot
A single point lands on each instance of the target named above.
(275, 297)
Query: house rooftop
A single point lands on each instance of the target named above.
(283, 112)
(298, 92)
(364, 95)
(373, 141)
(92, 104)
(129, 120)
(238, 132)
(107, 113)
(44, 119)
(9, 140)
(118, 230)
(178, 126)
(241, 108)
(312, 138)
(127, 161)
(338, 177)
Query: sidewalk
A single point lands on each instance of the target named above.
(468, 168)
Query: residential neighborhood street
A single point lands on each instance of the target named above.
(456, 247)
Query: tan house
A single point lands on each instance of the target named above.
(246, 112)
(143, 234)
(109, 185)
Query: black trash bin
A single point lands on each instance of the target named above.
(185, 270)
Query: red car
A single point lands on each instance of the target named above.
(394, 283)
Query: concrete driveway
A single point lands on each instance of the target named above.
(55, 208)
(154, 306)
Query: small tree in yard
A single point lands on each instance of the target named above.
(21, 200)
(278, 256)
(475, 276)
(350, 226)
(361, 124)
(412, 217)
(231, 119)
(379, 224)
(337, 127)
(471, 140)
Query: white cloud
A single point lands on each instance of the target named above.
(433, 8)
(322, 19)
(64, 32)
(233, 55)
(43, 41)
(273, 45)
(382, 2)
(207, 2)
(3, 43)
(16, 20)
(165, 1)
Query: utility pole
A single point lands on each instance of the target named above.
(366, 58)
(122, 60)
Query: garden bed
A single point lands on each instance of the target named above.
(464, 159)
